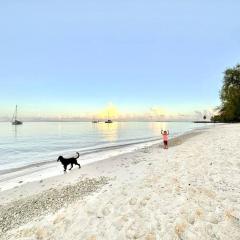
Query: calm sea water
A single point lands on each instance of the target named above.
(32, 143)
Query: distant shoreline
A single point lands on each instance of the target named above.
(204, 122)
(90, 121)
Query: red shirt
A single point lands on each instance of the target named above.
(165, 137)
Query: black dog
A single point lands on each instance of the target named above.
(66, 161)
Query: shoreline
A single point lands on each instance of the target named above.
(189, 191)
(39, 171)
(96, 150)
(18, 209)
(91, 170)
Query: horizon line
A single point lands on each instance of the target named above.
(102, 121)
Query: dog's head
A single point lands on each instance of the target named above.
(60, 158)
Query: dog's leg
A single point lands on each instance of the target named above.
(76, 163)
(65, 168)
(71, 166)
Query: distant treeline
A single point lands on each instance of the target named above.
(229, 111)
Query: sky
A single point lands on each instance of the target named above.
(77, 59)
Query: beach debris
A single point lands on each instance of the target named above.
(24, 210)
(229, 215)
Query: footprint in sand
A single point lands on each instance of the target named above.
(191, 218)
(133, 201)
(120, 222)
(124, 192)
(106, 211)
(145, 200)
(91, 208)
(137, 229)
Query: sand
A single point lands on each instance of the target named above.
(190, 191)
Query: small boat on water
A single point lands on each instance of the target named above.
(109, 121)
(95, 121)
(14, 118)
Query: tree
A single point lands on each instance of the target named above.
(229, 111)
(204, 117)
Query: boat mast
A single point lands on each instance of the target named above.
(16, 113)
(14, 116)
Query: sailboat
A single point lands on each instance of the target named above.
(95, 121)
(14, 118)
(109, 120)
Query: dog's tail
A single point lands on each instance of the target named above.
(78, 155)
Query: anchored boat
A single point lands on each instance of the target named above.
(14, 118)
(109, 120)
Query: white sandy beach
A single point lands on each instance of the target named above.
(190, 191)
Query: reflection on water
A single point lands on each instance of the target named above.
(15, 130)
(43, 141)
(109, 131)
(157, 127)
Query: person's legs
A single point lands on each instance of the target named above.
(165, 144)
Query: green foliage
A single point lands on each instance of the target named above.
(230, 96)
(216, 118)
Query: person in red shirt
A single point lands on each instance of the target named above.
(165, 138)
